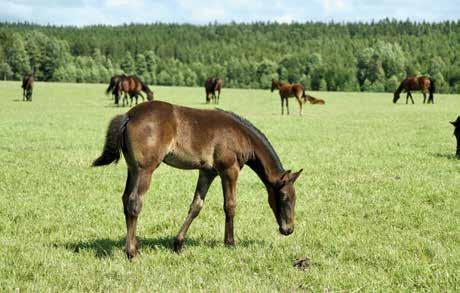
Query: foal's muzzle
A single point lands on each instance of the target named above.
(286, 231)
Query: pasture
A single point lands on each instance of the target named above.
(377, 204)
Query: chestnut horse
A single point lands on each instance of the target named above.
(215, 142)
(132, 85)
(113, 87)
(422, 83)
(288, 90)
(314, 100)
(27, 87)
(211, 86)
(456, 124)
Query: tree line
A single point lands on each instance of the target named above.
(372, 56)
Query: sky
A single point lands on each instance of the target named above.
(115, 12)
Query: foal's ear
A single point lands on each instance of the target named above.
(294, 176)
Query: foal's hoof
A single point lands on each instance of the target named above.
(131, 253)
(177, 246)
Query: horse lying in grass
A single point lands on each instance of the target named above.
(216, 142)
(313, 100)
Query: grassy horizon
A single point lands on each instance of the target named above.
(377, 203)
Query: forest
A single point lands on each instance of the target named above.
(372, 56)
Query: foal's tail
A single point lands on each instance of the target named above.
(431, 89)
(113, 141)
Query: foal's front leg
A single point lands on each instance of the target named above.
(229, 178)
(204, 182)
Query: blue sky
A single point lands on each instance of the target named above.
(86, 12)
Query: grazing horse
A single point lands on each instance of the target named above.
(27, 86)
(422, 83)
(456, 124)
(216, 142)
(213, 85)
(113, 87)
(314, 100)
(288, 90)
(132, 85)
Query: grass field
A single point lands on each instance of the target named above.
(377, 204)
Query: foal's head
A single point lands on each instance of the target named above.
(395, 97)
(275, 85)
(281, 198)
(150, 96)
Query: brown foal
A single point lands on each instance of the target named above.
(314, 100)
(215, 142)
(288, 90)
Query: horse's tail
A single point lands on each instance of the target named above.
(113, 141)
(111, 87)
(432, 88)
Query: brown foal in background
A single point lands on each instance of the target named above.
(215, 142)
(288, 90)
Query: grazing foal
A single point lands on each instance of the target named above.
(215, 142)
(422, 83)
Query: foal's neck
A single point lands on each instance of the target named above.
(265, 163)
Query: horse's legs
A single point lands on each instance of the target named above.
(410, 96)
(407, 98)
(299, 100)
(424, 97)
(23, 94)
(229, 178)
(218, 96)
(204, 181)
(287, 105)
(137, 184)
(282, 106)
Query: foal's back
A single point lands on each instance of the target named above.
(185, 138)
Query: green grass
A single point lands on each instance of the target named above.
(377, 204)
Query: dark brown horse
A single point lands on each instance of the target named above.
(421, 83)
(215, 142)
(288, 90)
(133, 86)
(213, 85)
(313, 100)
(456, 124)
(113, 87)
(27, 87)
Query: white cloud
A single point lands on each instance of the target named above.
(330, 5)
(120, 3)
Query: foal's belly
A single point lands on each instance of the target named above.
(186, 161)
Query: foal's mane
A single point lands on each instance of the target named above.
(257, 133)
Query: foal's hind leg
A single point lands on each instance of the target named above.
(424, 98)
(204, 181)
(300, 105)
(282, 106)
(137, 184)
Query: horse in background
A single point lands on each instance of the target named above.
(287, 90)
(27, 86)
(313, 100)
(133, 86)
(213, 85)
(456, 124)
(421, 83)
(114, 80)
(186, 138)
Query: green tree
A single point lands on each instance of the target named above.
(127, 65)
